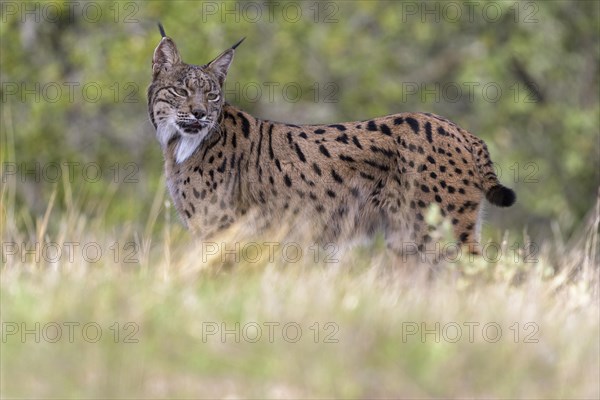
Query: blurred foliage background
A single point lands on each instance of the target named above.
(524, 76)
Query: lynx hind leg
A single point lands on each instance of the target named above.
(466, 221)
(399, 235)
(413, 237)
(402, 223)
(408, 233)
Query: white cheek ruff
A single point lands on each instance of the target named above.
(164, 132)
(187, 143)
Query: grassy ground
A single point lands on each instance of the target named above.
(159, 315)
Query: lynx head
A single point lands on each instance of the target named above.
(185, 100)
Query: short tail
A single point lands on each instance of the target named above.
(495, 192)
(501, 196)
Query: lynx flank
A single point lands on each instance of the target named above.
(344, 179)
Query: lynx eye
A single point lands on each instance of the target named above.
(181, 92)
(212, 97)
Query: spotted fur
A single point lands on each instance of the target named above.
(342, 179)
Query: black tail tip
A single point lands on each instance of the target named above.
(501, 196)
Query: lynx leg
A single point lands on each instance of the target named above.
(467, 222)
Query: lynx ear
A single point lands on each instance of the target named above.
(220, 65)
(165, 56)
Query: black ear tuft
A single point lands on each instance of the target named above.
(238, 43)
(162, 30)
(220, 65)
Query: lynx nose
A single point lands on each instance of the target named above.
(198, 113)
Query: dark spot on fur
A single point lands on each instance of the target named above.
(338, 127)
(299, 153)
(413, 123)
(385, 129)
(324, 151)
(428, 132)
(316, 169)
(336, 176)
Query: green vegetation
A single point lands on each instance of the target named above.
(81, 171)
